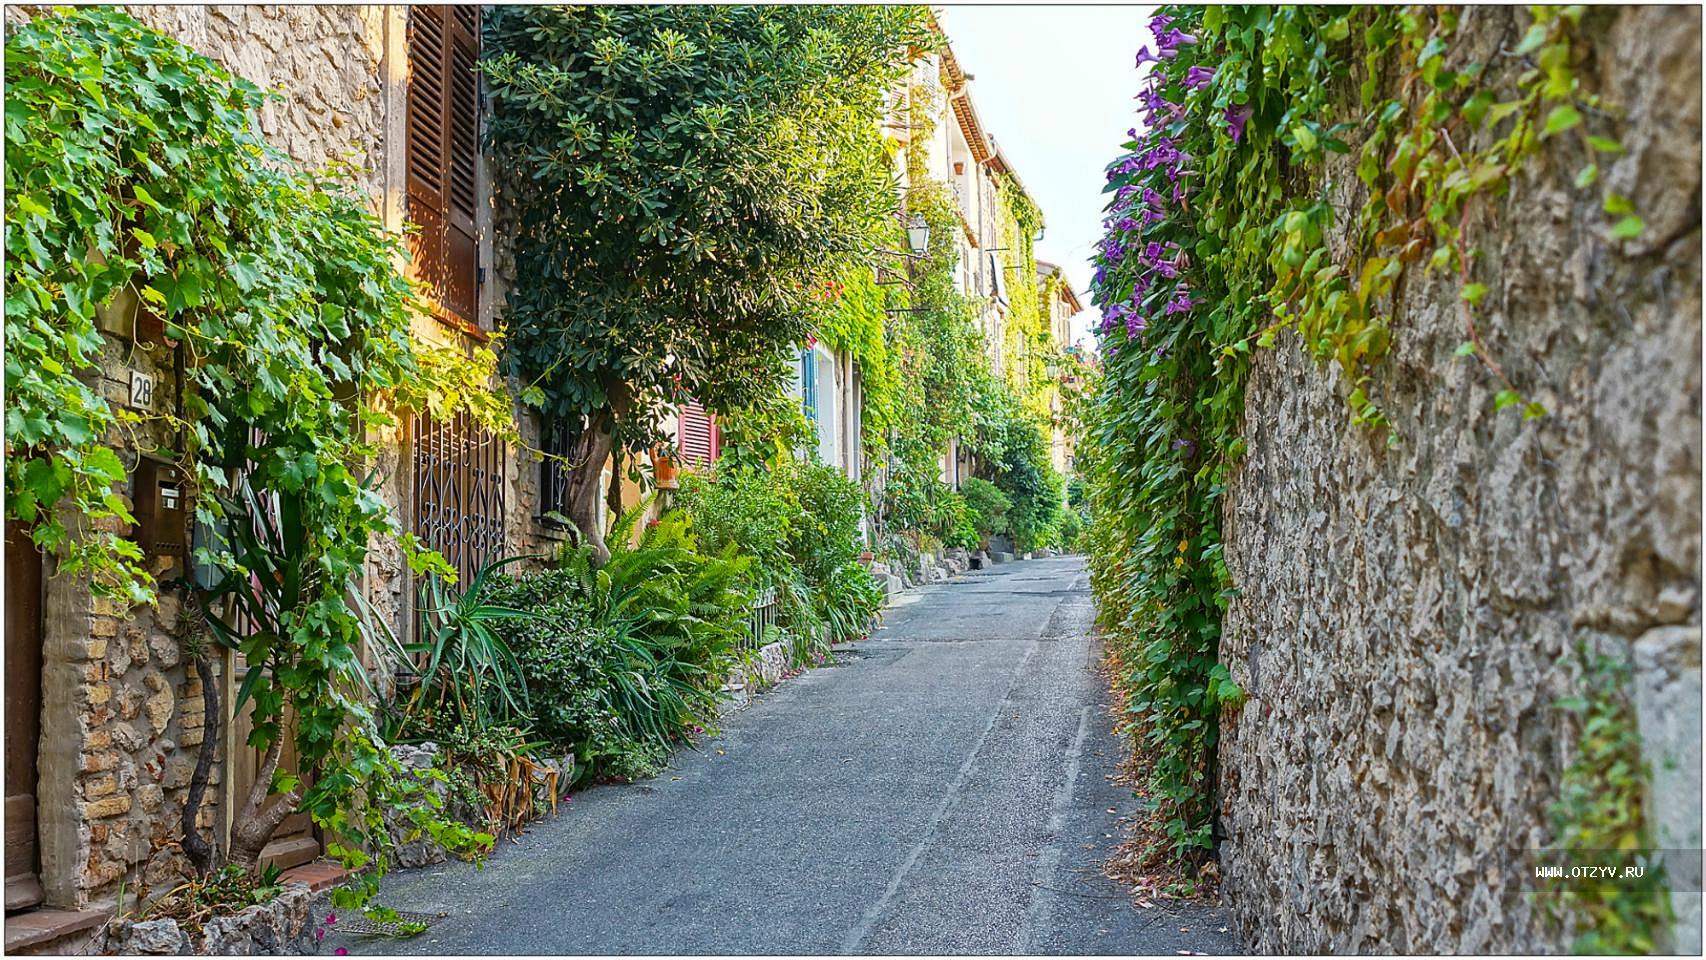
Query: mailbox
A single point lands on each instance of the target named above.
(161, 509)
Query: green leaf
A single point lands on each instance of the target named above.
(1617, 203)
(1604, 144)
(1628, 228)
(144, 237)
(1506, 398)
(1473, 292)
(1305, 137)
(1563, 117)
(1587, 175)
(1531, 40)
(1465, 349)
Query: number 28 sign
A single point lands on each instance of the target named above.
(141, 389)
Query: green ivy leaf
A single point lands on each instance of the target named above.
(1587, 175)
(1628, 228)
(1563, 117)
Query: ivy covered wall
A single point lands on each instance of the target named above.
(1417, 625)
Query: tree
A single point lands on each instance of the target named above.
(674, 182)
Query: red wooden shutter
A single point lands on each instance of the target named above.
(442, 152)
(699, 439)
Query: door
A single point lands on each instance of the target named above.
(23, 716)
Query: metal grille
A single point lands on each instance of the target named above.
(554, 440)
(762, 616)
(459, 492)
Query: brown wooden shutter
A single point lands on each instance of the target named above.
(443, 151)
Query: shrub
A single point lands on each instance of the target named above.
(987, 506)
(675, 615)
(848, 600)
(566, 658)
(825, 533)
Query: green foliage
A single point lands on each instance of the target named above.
(564, 654)
(799, 522)
(849, 600)
(1600, 816)
(470, 676)
(987, 506)
(674, 615)
(678, 179)
(136, 180)
(1257, 234)
(138, 183)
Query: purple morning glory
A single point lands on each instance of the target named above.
(1198, 77)
(1236, 117)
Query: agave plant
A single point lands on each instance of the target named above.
(468, 673)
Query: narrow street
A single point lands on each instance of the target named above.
(946, 790)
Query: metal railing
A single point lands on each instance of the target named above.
(761, 616)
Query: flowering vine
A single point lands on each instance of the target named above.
(1217, 239)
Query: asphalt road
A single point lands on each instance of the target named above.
(946, 790)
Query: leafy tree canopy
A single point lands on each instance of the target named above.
(680, 179)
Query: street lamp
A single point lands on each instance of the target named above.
(918, 234)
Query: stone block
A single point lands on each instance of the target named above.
(110, 807)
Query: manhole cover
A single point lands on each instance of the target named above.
(399, 923)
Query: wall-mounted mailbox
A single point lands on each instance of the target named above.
(161, 509)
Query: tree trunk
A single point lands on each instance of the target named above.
(255, 821)
(202, 854)
(592, 448)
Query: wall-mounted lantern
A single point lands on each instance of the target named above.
(918, 234)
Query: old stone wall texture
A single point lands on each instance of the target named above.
(122, 710)
(1408, 616)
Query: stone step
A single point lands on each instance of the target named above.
(52, 931)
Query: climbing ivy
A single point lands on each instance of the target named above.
(1219, 237)
(136, 179)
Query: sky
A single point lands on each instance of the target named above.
(1054, 85)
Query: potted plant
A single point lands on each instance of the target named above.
(664, 470)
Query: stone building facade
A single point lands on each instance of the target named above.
(1409, 617)
(120, 710)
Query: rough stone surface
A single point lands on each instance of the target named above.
(280, 926)
(1668, 706)
(1409, 616)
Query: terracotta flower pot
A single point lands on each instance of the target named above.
(664, 471)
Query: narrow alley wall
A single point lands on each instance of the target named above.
(1409, 617)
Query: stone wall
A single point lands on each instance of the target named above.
(1408, 617)
(122, 709)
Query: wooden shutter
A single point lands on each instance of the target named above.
(443, 151)
(699, 439)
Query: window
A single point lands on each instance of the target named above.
(443, 148)
(697, 435)
(808, 384)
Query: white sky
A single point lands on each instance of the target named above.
(1054, 85)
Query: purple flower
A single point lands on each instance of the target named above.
(1134, 325)
(1159, 23)
(1236, 117)
(1198, 77)
(1181, 302)
(1172, 40)
(1144, 56)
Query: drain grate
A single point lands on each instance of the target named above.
(399, 923)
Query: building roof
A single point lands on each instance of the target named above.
(1046, 269)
